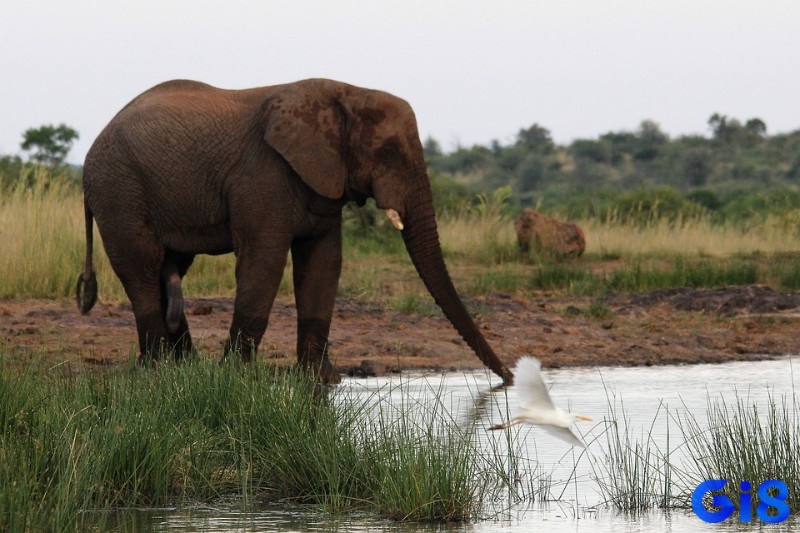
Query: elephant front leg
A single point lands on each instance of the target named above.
(258, 276)
(317, 264)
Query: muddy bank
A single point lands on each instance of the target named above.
(672, 326)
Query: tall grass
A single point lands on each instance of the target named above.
(745, 442)
(635, 474)
(618, 237)
(737, 442)
(42, 249)
(479, 239)
(39, 237)
(70, 446)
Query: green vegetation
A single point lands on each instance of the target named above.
(49, 145)
(744, 442)
(738, 441)
(204, 432)
(737, 173)
(634, 476)
(73, 447)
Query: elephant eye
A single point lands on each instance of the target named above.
(390, 153)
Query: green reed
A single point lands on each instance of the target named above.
(634, 474)
(73, 446)
(738, 441)
(743, 441)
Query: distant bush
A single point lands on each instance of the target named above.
(646, 206)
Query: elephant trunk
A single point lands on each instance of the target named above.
(421, 238)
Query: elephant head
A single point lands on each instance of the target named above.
(351, 143)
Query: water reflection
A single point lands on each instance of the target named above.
(649, 397)
(269, 518)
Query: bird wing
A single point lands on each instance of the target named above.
(565, 434)
(530, 387)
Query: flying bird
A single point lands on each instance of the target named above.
(537, 407)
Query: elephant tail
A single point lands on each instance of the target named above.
(86, 290)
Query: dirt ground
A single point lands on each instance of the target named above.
(673, 326)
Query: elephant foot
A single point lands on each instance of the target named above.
(181, 342)
(240, 348)
(147, 359)
(177, 348)
(324, 372)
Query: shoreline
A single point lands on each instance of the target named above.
(671, 326)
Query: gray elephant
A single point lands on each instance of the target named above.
(187, 168)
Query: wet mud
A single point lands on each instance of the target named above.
(672, 326)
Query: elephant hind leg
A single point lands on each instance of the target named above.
(138, 268)
(144, 294)
(138, 258)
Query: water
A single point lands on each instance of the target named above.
(650, 397)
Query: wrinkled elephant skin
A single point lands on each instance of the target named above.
(187, 169)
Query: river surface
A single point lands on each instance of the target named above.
(649, 400)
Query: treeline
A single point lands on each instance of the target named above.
(737, 171)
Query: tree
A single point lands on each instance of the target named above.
(757, 127)
(11, 170)
(696, 165)
(48, 144)
(651, 139)
(431, 148)
(536, 138)
(720, 128)
(731, 131)
(532, 172)
(596, 151)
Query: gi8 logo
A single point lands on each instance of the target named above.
(726, 507)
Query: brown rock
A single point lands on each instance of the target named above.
(548, 235)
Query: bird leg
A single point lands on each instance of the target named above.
(511, 422)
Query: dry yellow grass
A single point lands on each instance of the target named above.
(689, 237)
(42, 241)
(42, 248)
(493, 239)
(478, 238)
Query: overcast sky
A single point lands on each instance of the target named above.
(473, 70)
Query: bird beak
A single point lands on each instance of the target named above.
(584, 418)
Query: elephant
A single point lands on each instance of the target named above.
(186, 168)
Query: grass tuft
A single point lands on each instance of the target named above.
(737, 442)
(745, 442)
(635, 475)
(201, 431)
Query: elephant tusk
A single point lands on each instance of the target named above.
(394, 216)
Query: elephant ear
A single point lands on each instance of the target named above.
(304, 123)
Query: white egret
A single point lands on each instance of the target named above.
(537, 407)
